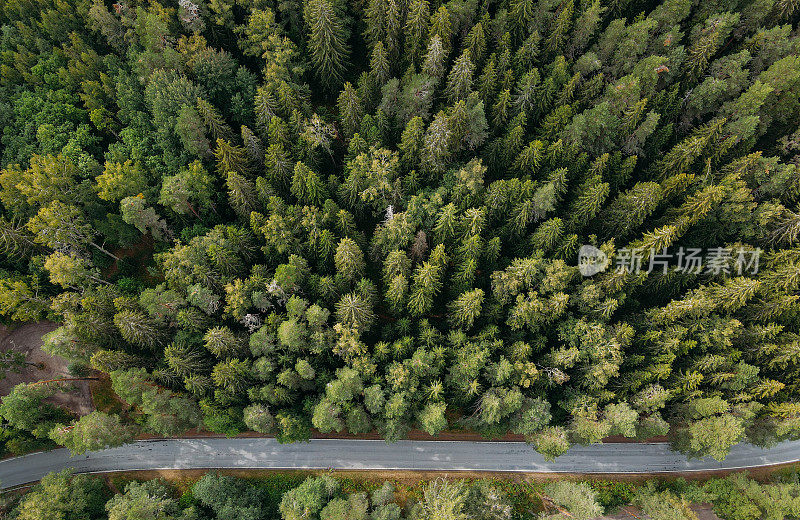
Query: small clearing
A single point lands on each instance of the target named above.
(27, 340)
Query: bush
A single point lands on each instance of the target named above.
(227, 421)
(78, 369)
(612, 494)
(130, 285)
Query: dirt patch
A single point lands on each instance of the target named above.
(39, 366)
(139, 254)
(104, 398)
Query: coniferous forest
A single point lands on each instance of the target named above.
(367, 215)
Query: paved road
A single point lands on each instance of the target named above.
(266, 453)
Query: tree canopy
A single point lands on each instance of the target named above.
(381, 215)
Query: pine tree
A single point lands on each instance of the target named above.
(379, 64)
(657, 504)
(586, 26)
(187, 191)
(487, 82)
(231, 158)
(475, 42)
(411, 143)
(15, 240)
(416, 29)
(435, 58)
(253, 145)
(523, 13)
(630, 209)
(501, 110)
(375, 16)
(184, 360)
(577, 499)
(70, 271)
(258, 418)
(120, 180)
(326, 417)
(26, 409)
(279, 165)
(266, 108)
(241, 194)
(62, 226)
(427, 282)
(560, 31)
(709, 40)
(139, 329)
(350, 110)
(354, 311)
(394, 28)
(151, 498)
(232, 375)
(681, 157)
(432, 418)
(136, 212)
(437, 149)
(92, 432)
(442, 26)
(307, 186)
(591, 196)
(214, 122)
(166, 413)
(466, 308)
(459, 81)
(349, 260)
(529, 159)
(222, 342)
(328, 36)
(711, 436)
(551, 442)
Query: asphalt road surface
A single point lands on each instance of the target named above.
(263, 453)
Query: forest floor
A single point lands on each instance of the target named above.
(139, 254)
(40, 366)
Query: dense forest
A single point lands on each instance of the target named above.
(217, 497)
(367, 215)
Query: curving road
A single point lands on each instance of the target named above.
(267, 453)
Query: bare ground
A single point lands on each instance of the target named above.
(40, 366)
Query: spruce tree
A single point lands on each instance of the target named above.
(350, 110)
(459, 81)
(416, 29)
(327, 41)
